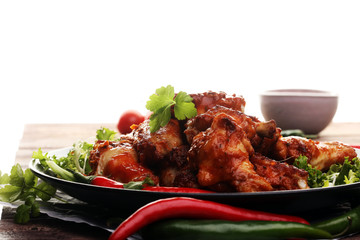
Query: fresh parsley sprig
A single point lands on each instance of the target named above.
(161, 103)
(105, 134)
(24, 186)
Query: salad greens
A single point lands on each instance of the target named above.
(25, 187)
(77, 158)
(338, 174)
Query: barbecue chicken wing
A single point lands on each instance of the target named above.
(153, 148)
(321, 155)
(118, 161)
(262, 135)
(176, 171)
(205, 101)
(281, 176)
(221, 156)
(165, 153)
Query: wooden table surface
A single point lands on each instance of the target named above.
(55, 136)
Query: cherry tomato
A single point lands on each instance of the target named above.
(127, 119)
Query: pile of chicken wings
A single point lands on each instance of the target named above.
(221, 149)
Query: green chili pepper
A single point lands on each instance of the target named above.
(228, 230)
(343, 224)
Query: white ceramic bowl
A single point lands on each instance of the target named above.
(308, 110)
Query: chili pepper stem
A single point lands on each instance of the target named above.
(346, 229)
(344, 224)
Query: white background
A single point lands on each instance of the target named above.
(87, 61)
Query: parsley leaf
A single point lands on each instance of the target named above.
(45, 191)
(105, 134)
(23, 214)
(23, 186)
(17, 176)
(4, 178)
(9, 193)
(161, 103)
(184, 107)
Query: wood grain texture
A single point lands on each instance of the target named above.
(44, 227)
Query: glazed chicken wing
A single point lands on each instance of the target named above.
(165, 153)
(205, 101)
(153, 148)
(321, 155)
(262, 135)
(176, 170)
(221, 155)
(281, 176)
(118, 161)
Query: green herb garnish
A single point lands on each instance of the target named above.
(105, 134)
(161, 103)
(24, 186)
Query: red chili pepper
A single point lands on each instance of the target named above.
(175, 189)
(181, 207)
(107, 182)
